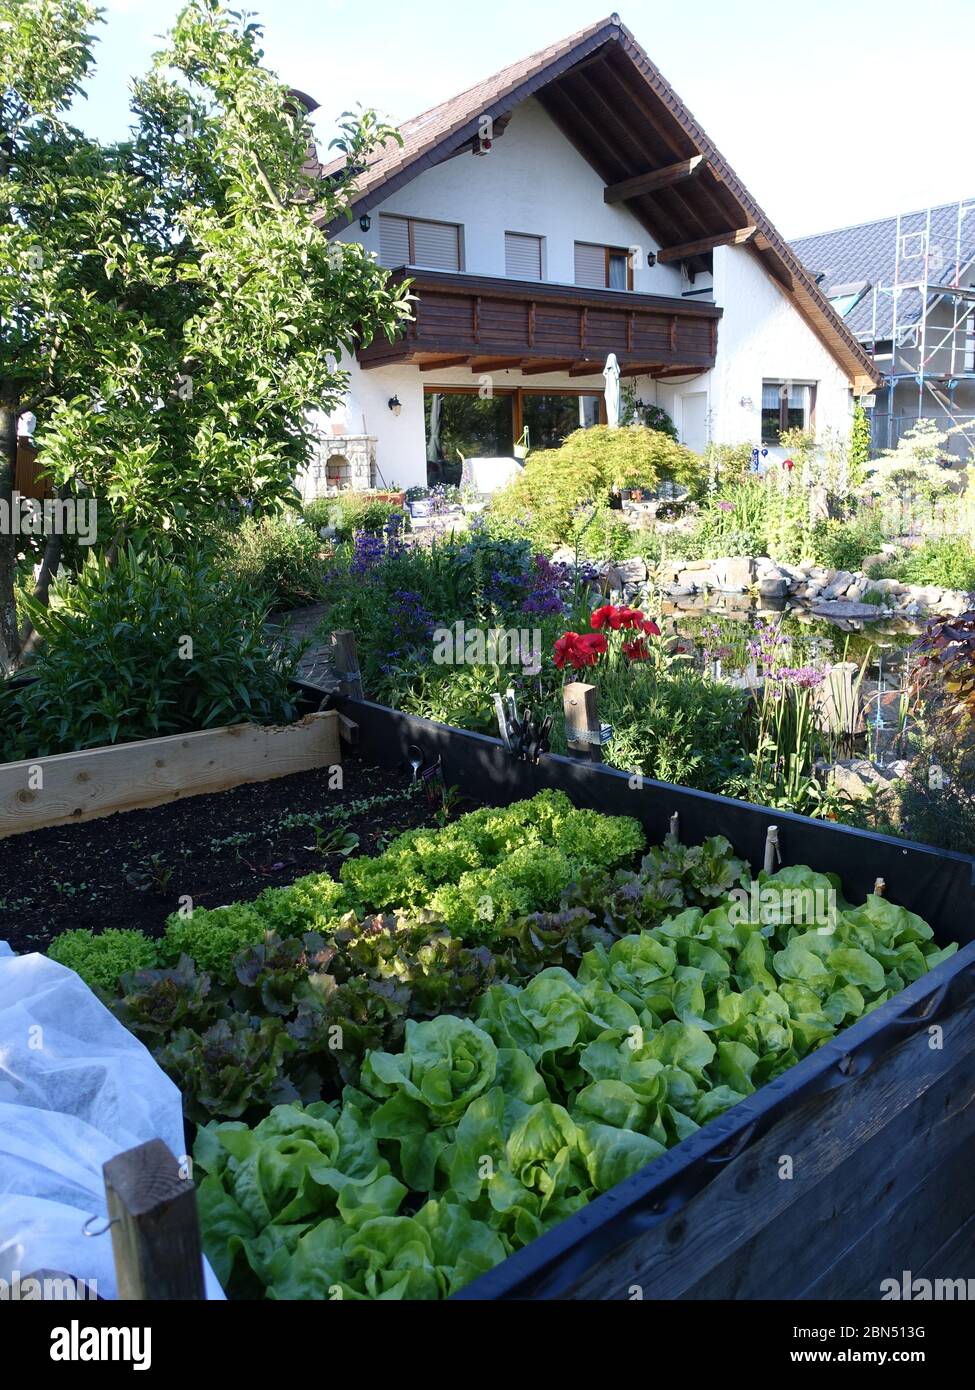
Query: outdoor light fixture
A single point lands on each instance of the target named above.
(394, 404)
(651, 258)
(365, 222)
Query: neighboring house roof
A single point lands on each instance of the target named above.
(609, 100)
(865, 256)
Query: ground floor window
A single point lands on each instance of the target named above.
(461, 423)
(786, 405)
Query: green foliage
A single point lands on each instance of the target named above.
(678, 726)
(858, 449)
(100, 960)
(274, 555)
(116, 666)
(556, 483)
(843, 545)
(946, 562)
(348, 512)
(169, 308)
(491, 865)
(568, 1085)
(212, 937)
(914, 466)
(726, 466)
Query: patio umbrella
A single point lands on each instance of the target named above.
(611, 372)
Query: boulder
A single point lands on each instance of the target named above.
(631, 571)
(859, 778)
(773, 586)
(840, 608)
(733, 574)
(692, 579)
(839, 582)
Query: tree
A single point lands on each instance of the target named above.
(169, 310)
(858, 449)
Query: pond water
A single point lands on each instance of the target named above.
(721, 632)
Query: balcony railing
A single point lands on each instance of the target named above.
(476, 319)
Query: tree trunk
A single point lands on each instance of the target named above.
(9, 641)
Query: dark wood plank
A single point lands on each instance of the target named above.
(653, 179)
(678, 1251)
(822, 1241)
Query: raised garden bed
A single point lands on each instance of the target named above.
(839, 1172)
(132, 870)
(877, 1124)
(72, 787)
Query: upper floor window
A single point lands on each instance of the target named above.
(522, 256)
(786, 405)
(416, 241)
(603, 267)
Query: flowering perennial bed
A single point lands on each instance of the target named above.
(461, 1076)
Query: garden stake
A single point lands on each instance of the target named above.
(879, 887)
(772, 852)
(675, 824)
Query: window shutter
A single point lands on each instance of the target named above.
(394, 240)
(590, 265)
(522, 256)
(436, 245)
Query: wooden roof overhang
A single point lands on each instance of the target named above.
(613, 104)
(492, 323)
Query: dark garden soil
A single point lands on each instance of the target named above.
(132, 868)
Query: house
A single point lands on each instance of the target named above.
(905, 286)
(566, 208)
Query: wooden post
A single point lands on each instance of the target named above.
(675, 825)
(581, 720)
(879, 887)
(347, 663)
(772, 849)
(155, 1230)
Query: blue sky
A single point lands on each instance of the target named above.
(832, 113)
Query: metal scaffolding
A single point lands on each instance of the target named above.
(945, 353)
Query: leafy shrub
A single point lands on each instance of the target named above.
(348, 512)
(556, 483)
(115, 665)
(680, 727)
(726, 466)
(843, 545)
(945, 562)
(276, 555)
(100, 960)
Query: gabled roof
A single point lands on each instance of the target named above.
(867, 253)
(609, 100)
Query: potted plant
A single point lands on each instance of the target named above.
(418, 501)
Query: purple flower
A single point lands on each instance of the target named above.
(726, 506)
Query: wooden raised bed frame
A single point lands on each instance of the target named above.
(129, 776)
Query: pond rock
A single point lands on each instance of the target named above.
(844, 609)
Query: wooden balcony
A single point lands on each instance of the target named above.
(488, 323)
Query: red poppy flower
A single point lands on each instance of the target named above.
(637, 650)
(788, 464)
(601, 616)
(652, 630)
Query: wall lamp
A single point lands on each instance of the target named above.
(365, 222)
(395, 404)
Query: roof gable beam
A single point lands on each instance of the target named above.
(656, 178)
(738, 237)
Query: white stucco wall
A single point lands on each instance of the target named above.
(532, 181)
(761, 336)
(535, 181)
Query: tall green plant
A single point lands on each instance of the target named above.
(169, 307)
